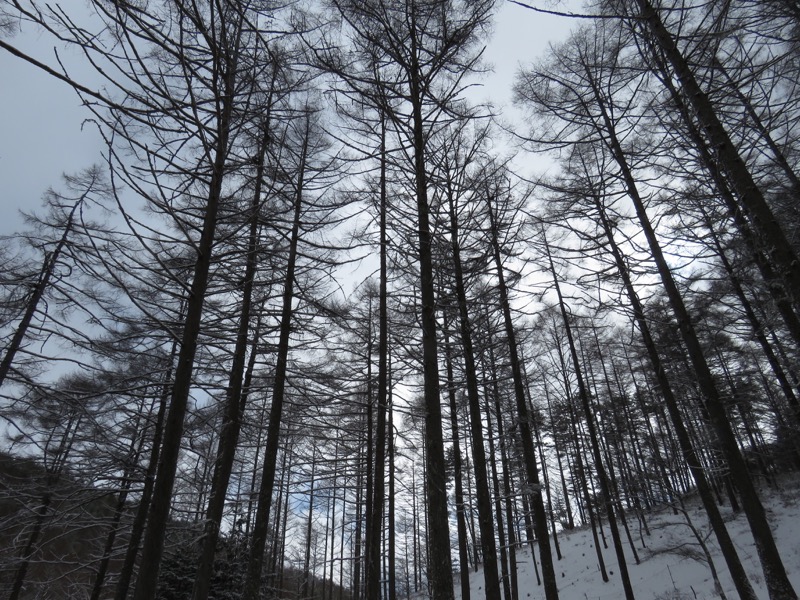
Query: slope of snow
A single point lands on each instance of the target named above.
(667, 570)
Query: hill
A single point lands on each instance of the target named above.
(673, 565)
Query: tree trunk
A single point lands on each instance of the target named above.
(234, 406)
(134, 455)
(755, 207)
(461, 525)
(506, 488)
(488, 545)
(139, 520)
(440, 567)
(307, 575)
(376, 524)
(252, 583)
(605, 489)
(738, 574)
(391, 516)
(537, 434)
(158, 514)
(498, 505)
(564, 490)
(528, 450)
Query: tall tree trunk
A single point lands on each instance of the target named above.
(602, 476)
(534, 487)
(504, 463)
(280, 516)
(754, 205)
(140, 518)
(580, 465)
(392, 575)
(537, 435)
(440, 568)
(307, 574)
(369, 450)
(488, 545)
(376, 523)
(605, 436)
(160, 505)
(252, 583)
(461, 525)
(498, 503)
(234, 406)
(281, 526)
(564, 490)
(415, 529)
(134, 456)
(738, 574)
(357, 558)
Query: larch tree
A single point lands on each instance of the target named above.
(418, 54)
(599, 93)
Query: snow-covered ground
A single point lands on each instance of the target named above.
(667, 571)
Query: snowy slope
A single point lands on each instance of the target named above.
(665, 574)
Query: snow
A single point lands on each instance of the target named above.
(667, 571)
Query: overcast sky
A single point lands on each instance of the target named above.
(40, 130)
(42, 133)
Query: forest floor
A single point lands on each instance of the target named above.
(672, 565)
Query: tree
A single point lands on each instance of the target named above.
(727, 157)
(605, 488)
(602, 115)
(234, 401)
(311, 170)
(85, 185)
(453, 176)
(525, 418)
(417, 54)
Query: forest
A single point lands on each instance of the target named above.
(319, 324)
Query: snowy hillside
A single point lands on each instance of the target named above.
(667, 570)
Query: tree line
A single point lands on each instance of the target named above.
(310, 327)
